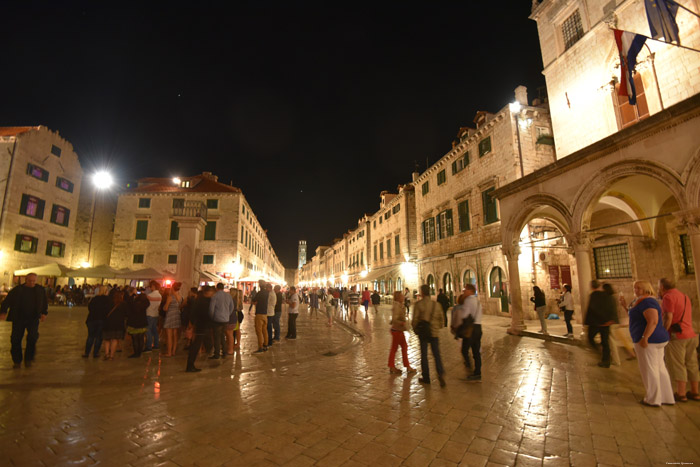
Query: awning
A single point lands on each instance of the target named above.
(380, 273)
(143, 274)
(211, 277)
(51, 269)
(102, 272)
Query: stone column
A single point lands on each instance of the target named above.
(690, 219)
(517, 324)
(188, 244)
(581, 244)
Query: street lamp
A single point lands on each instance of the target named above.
(101, 180)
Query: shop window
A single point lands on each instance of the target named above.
(441, 177)
(688, 263)
(172, 259)
(55, 150)
(425, 189)
(55, 249)
(60, 215)
(212, 204)
(444, 224)
(138, 259)
(37, 172)
(463, 213)
(484, 146)
(630, 114)
(32, 206)
(64, 184)
(490, 207)
(210, 231)
(207, 259)
(144, 202)
(26, 243)
(141, 230)
(612, 262)
(174, 231)
(572, 29)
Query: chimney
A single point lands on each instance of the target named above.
(521, 95)
(209, 176)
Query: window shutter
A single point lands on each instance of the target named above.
(438, 221)
(18, 242)
(448, 222)
(66, 219)
(40, 209)
(48, 248)
(23, 205)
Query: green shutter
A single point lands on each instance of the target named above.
(210, 231)
(448, 222)
(438, 223)
(18, 242)
(23, 205)
(141, 230)
(463, 212)
(174, 231)
(40, 209)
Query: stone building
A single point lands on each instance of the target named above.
(39, 189)
(196, 229)
(457, 217)
(621, 203)
(94, 226)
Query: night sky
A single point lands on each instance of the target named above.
(310, 109)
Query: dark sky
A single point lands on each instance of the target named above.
(311, 109)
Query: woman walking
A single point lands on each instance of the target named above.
(113, 330)
(540, 302)
(650, 337)
(398, 326)
(98, 308)
(173, 304)
(136, 322)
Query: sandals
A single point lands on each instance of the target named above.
(693, 396)
(679, 397)
(394, 371)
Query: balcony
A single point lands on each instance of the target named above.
(193, 209)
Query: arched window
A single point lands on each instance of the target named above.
(431, 283)
(447, 283)
(382, 287)
(468, 278)
(496, 285)
(399, 284)
(390, 286)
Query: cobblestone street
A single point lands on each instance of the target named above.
(328, 399)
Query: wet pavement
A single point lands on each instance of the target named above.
(328, 399)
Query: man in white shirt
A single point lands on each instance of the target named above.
(271, 303)
(471, 306)
(152, 316)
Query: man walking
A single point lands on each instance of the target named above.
(444, 302)
(202, 327)
(601, 313)
(27, 306)
(354, 303)
(313, 303)
(152, 316)
(278, 313)
(366, 298)
(292, 313)
(220, 312)
(469, 310)
(271, 304)
(261, 316)
(375, 301)
(428, 310)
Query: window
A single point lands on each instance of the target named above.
(381, 250)
(64, 184)
(37, 172)
(178, 203)
(572, 29)
(375, 252)
(207, 259)
(630, 114)
(397, 245)
(490, 208)
(426, 188)
(210, 231)
(141, 230)
(362, 258)
(55, 150)
(32, 206)
(441, 177)
(212, 204)
(26, 243)
(138, 259)
(184, 184)
(243, 208)
(612, 262)
(484, 146)
(468, 278)
(687, 255)
(172, 259)
(497, 288)
(174, 231)
(388, 248)
(144, 202)
(395, 209)
(463, 213)
(444, 224)
(431, 283)
(60, 215)
(380, 220)
(429, 230)
(387, 214)
(55, 249)
(375, 223)
(459, 164)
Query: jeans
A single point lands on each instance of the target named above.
(137, 341)
(18, 329)
(152, 332)
(541, 310)
(94, 337)
(292, 326)
(568, 314)
(203, 336)
(473, 343)
(398, 339)
(604, 340)
(261, 330)
(219, 329)
(424, 365)
(276, 325)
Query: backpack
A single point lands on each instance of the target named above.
(422, 329)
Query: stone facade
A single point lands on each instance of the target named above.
(39, 189)
(95, 218)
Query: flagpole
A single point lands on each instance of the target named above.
(681, 6)
(671, 43)
(656, 79)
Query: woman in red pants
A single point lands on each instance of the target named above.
(398, 326)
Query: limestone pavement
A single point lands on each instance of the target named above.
(328, 399)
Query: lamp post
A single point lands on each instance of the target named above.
(101, 181)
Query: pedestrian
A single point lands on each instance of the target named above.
(251, 299)
(279, 300)
(344, 301)
(114, 329)
(398, 326)
(328, 303)
(313, 304)
(271, 304)
(220, 311)
(540, 302)
(601, 313)
(25, 306)
(444, 301)
(136, 322)
(376, 299)
(292, 314)
(650, 338)
(187, 307)
(466, 324)
(172, 321)
(366, 299)
(567, 305)
(202, 327)
(260, 303)
(152, 316)
(427, 310)
(681, 355)
(620, 330)
(353, 301)
(233, 330)
(407, 300)
(98, 308)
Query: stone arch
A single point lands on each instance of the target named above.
(463, 271)
(691, 180)
(542, 205)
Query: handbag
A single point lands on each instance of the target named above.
(676, 327)
(466, 328)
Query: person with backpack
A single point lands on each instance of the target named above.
(376, 299)
(427, 321)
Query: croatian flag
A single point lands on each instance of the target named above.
(662, 19)
(629, 45)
